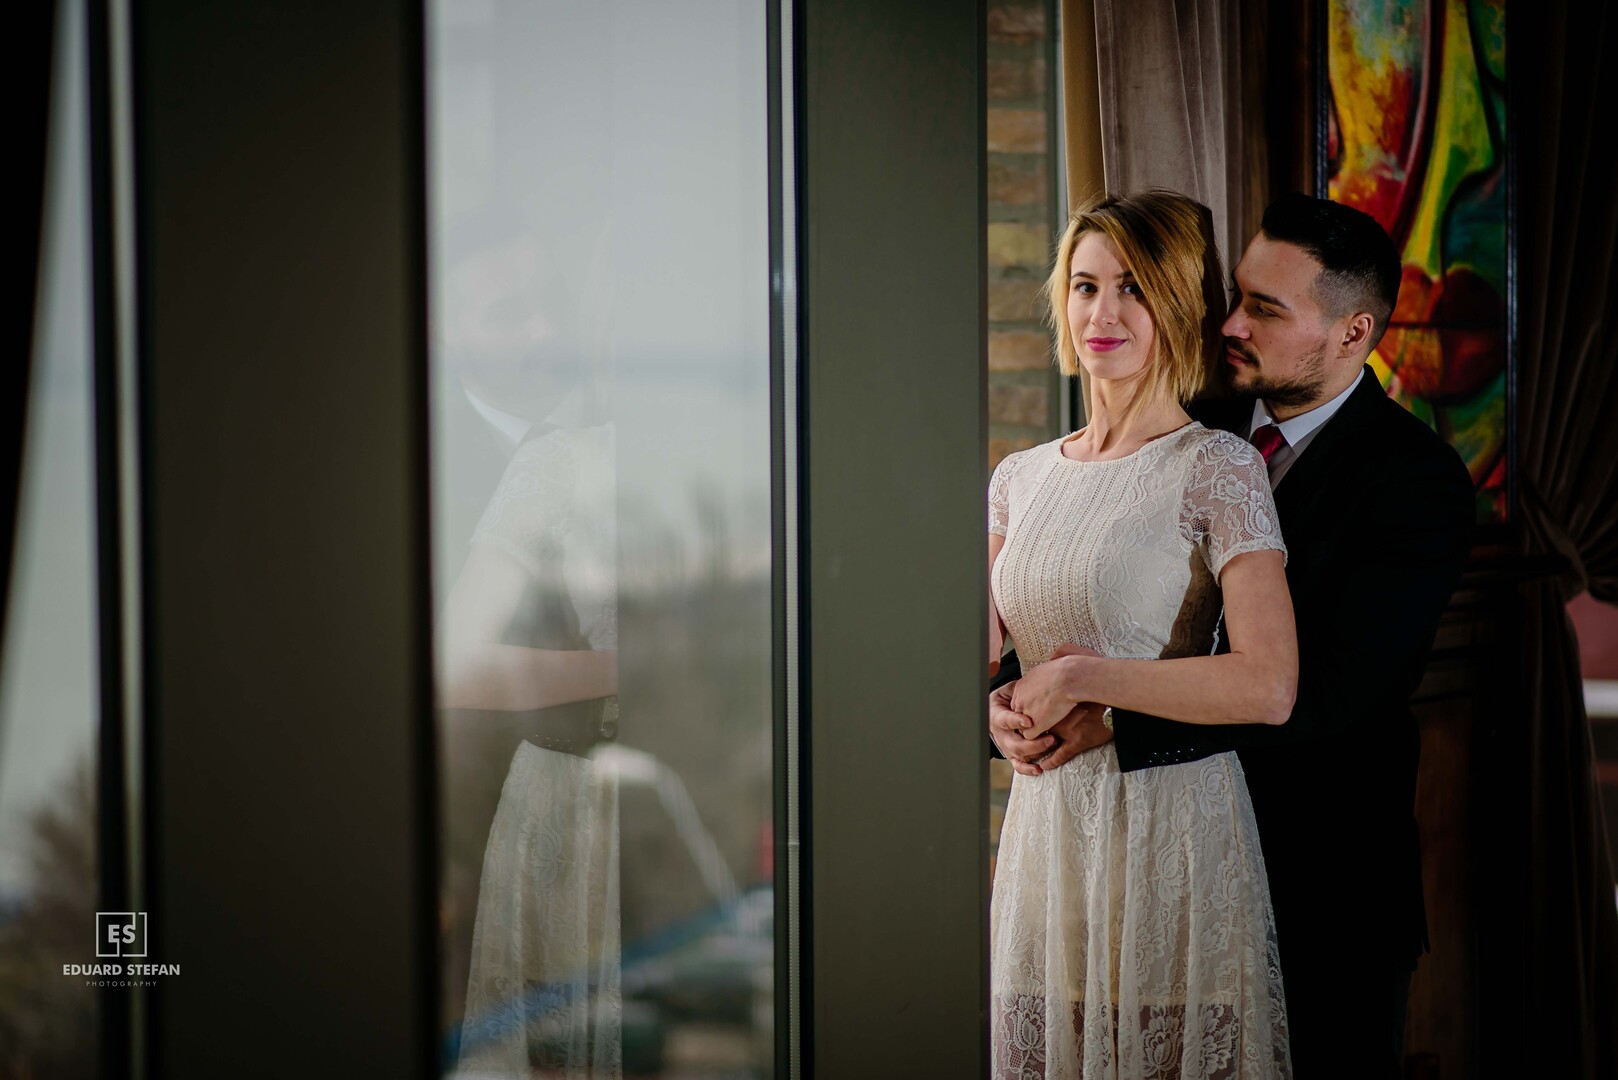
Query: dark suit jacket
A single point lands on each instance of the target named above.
(1377, 516)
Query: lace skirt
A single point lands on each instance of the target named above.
(543, 997)
(1131, 928)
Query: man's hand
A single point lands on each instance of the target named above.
(1078, 731)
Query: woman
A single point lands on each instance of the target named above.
(528, 674)
(1132, 934)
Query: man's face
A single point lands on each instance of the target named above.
(508, 326)
(1276, 334)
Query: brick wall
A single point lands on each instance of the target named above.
(1024, 217)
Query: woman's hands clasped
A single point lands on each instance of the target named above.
(1048, 692)
(1035, 723)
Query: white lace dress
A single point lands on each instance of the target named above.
(543, 996)
(1131, 928)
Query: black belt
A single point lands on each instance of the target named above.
(582, 731)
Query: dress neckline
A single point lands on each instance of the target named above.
(1155, 440)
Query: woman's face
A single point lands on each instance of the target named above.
(1111, 328)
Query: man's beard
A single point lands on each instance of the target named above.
(1302, 389)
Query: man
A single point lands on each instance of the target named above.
(1376, 511)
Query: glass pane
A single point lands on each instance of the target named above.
(600, 315)
(48, 674)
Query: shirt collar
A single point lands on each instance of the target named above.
(1303, 425)
(514, 428)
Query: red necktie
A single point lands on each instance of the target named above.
(1268, 439)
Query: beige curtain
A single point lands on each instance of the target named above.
(1160, 92)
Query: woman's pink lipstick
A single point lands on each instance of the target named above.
(1103, 344)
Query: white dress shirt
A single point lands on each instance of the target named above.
(511, 428)
(1298, 432)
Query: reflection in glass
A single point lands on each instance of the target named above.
(48, 674)
(602, 536)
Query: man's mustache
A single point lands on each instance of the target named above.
(1241, 350)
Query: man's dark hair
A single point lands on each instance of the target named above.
(1360, 268)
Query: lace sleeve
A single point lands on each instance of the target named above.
(1000, 494)
(1228, 508)
(555, 514)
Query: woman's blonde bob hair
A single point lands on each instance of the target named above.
(1166, 240)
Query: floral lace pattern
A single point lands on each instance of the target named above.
(544, 996)
(554, 514)
(1124, 556)
(1132, 933)
(544, 991)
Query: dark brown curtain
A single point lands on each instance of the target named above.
(1172, 110)
(31, 31)
(1567, 453)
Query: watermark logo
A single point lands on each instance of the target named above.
(121, 939)
(121, 933)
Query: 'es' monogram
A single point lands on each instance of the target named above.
(120, 933)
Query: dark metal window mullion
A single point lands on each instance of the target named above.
(113, 831)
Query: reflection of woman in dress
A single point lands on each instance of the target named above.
(528, 655)
(1132, 934)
